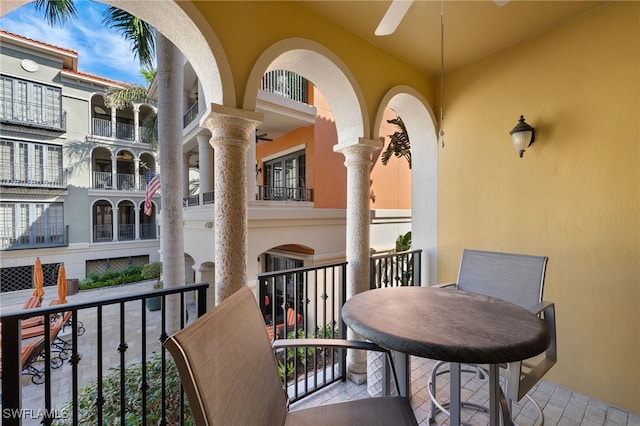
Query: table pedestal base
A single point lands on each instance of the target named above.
(497, 410)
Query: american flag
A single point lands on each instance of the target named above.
(153, 185)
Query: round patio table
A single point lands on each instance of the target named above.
(449, 325)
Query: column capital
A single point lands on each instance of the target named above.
(231, 126)
(359, 152)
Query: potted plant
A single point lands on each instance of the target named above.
(151, 271)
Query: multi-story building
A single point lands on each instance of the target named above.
(72, 170)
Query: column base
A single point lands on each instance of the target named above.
(357, 378)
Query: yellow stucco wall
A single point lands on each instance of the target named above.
(575, 196)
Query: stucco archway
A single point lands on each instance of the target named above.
(327, 72)
(420, 123)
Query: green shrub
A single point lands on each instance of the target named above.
(152, 271)
(87, 410)
(111, 278)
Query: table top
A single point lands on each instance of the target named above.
(446, 324)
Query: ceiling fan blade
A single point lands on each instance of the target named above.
(501, 2)
(392, 17)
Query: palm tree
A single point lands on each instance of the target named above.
(145, 42)
(119, 98)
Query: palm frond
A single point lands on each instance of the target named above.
(140, 34)
(399, 146)
(148, 74)
(56, 12)
(117, 97)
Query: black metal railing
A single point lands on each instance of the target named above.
(282, 193)
(190, 115)
(131, 328)
(306, 302)
(301, 302)
(208, 197)
(395, 269)
(198, 199)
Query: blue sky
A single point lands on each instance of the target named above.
(101, 51)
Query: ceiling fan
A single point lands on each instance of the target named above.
(262, 137)
(396, 12)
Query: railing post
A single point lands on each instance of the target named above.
(11, 371)
(202, 301)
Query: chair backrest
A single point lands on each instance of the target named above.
(227, 366)
(516, 278)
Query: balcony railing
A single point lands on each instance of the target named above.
(191, 200)
(33, 114)
(395, 269)
(281, 193)
(196, 200)
(287, 84)
(119, 329)
(124, 131)
(148, 231)
(102, 233)
(190, 115)
(31, 176)
(102, 180)
(17, 238)
(126, 231)
(125, 181)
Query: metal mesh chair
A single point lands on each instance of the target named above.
(518, 279)
(229, 373)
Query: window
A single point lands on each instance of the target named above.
(30, 163)
(25, 225)
(28, 102)
(285, 178)
(289, 291)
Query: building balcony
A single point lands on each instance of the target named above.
(33, 237)
(33, 115)
(123, 131)
(31, 176)
(124, 182)
(126, 232)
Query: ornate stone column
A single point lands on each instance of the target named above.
(231, 131)
(358, 164)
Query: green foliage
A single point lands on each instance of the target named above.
(57, 12)
(329, 331)
(111, 278)
(403, 242)
(152, 271)
(87, 410)
(400, 146)
(139, 33)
